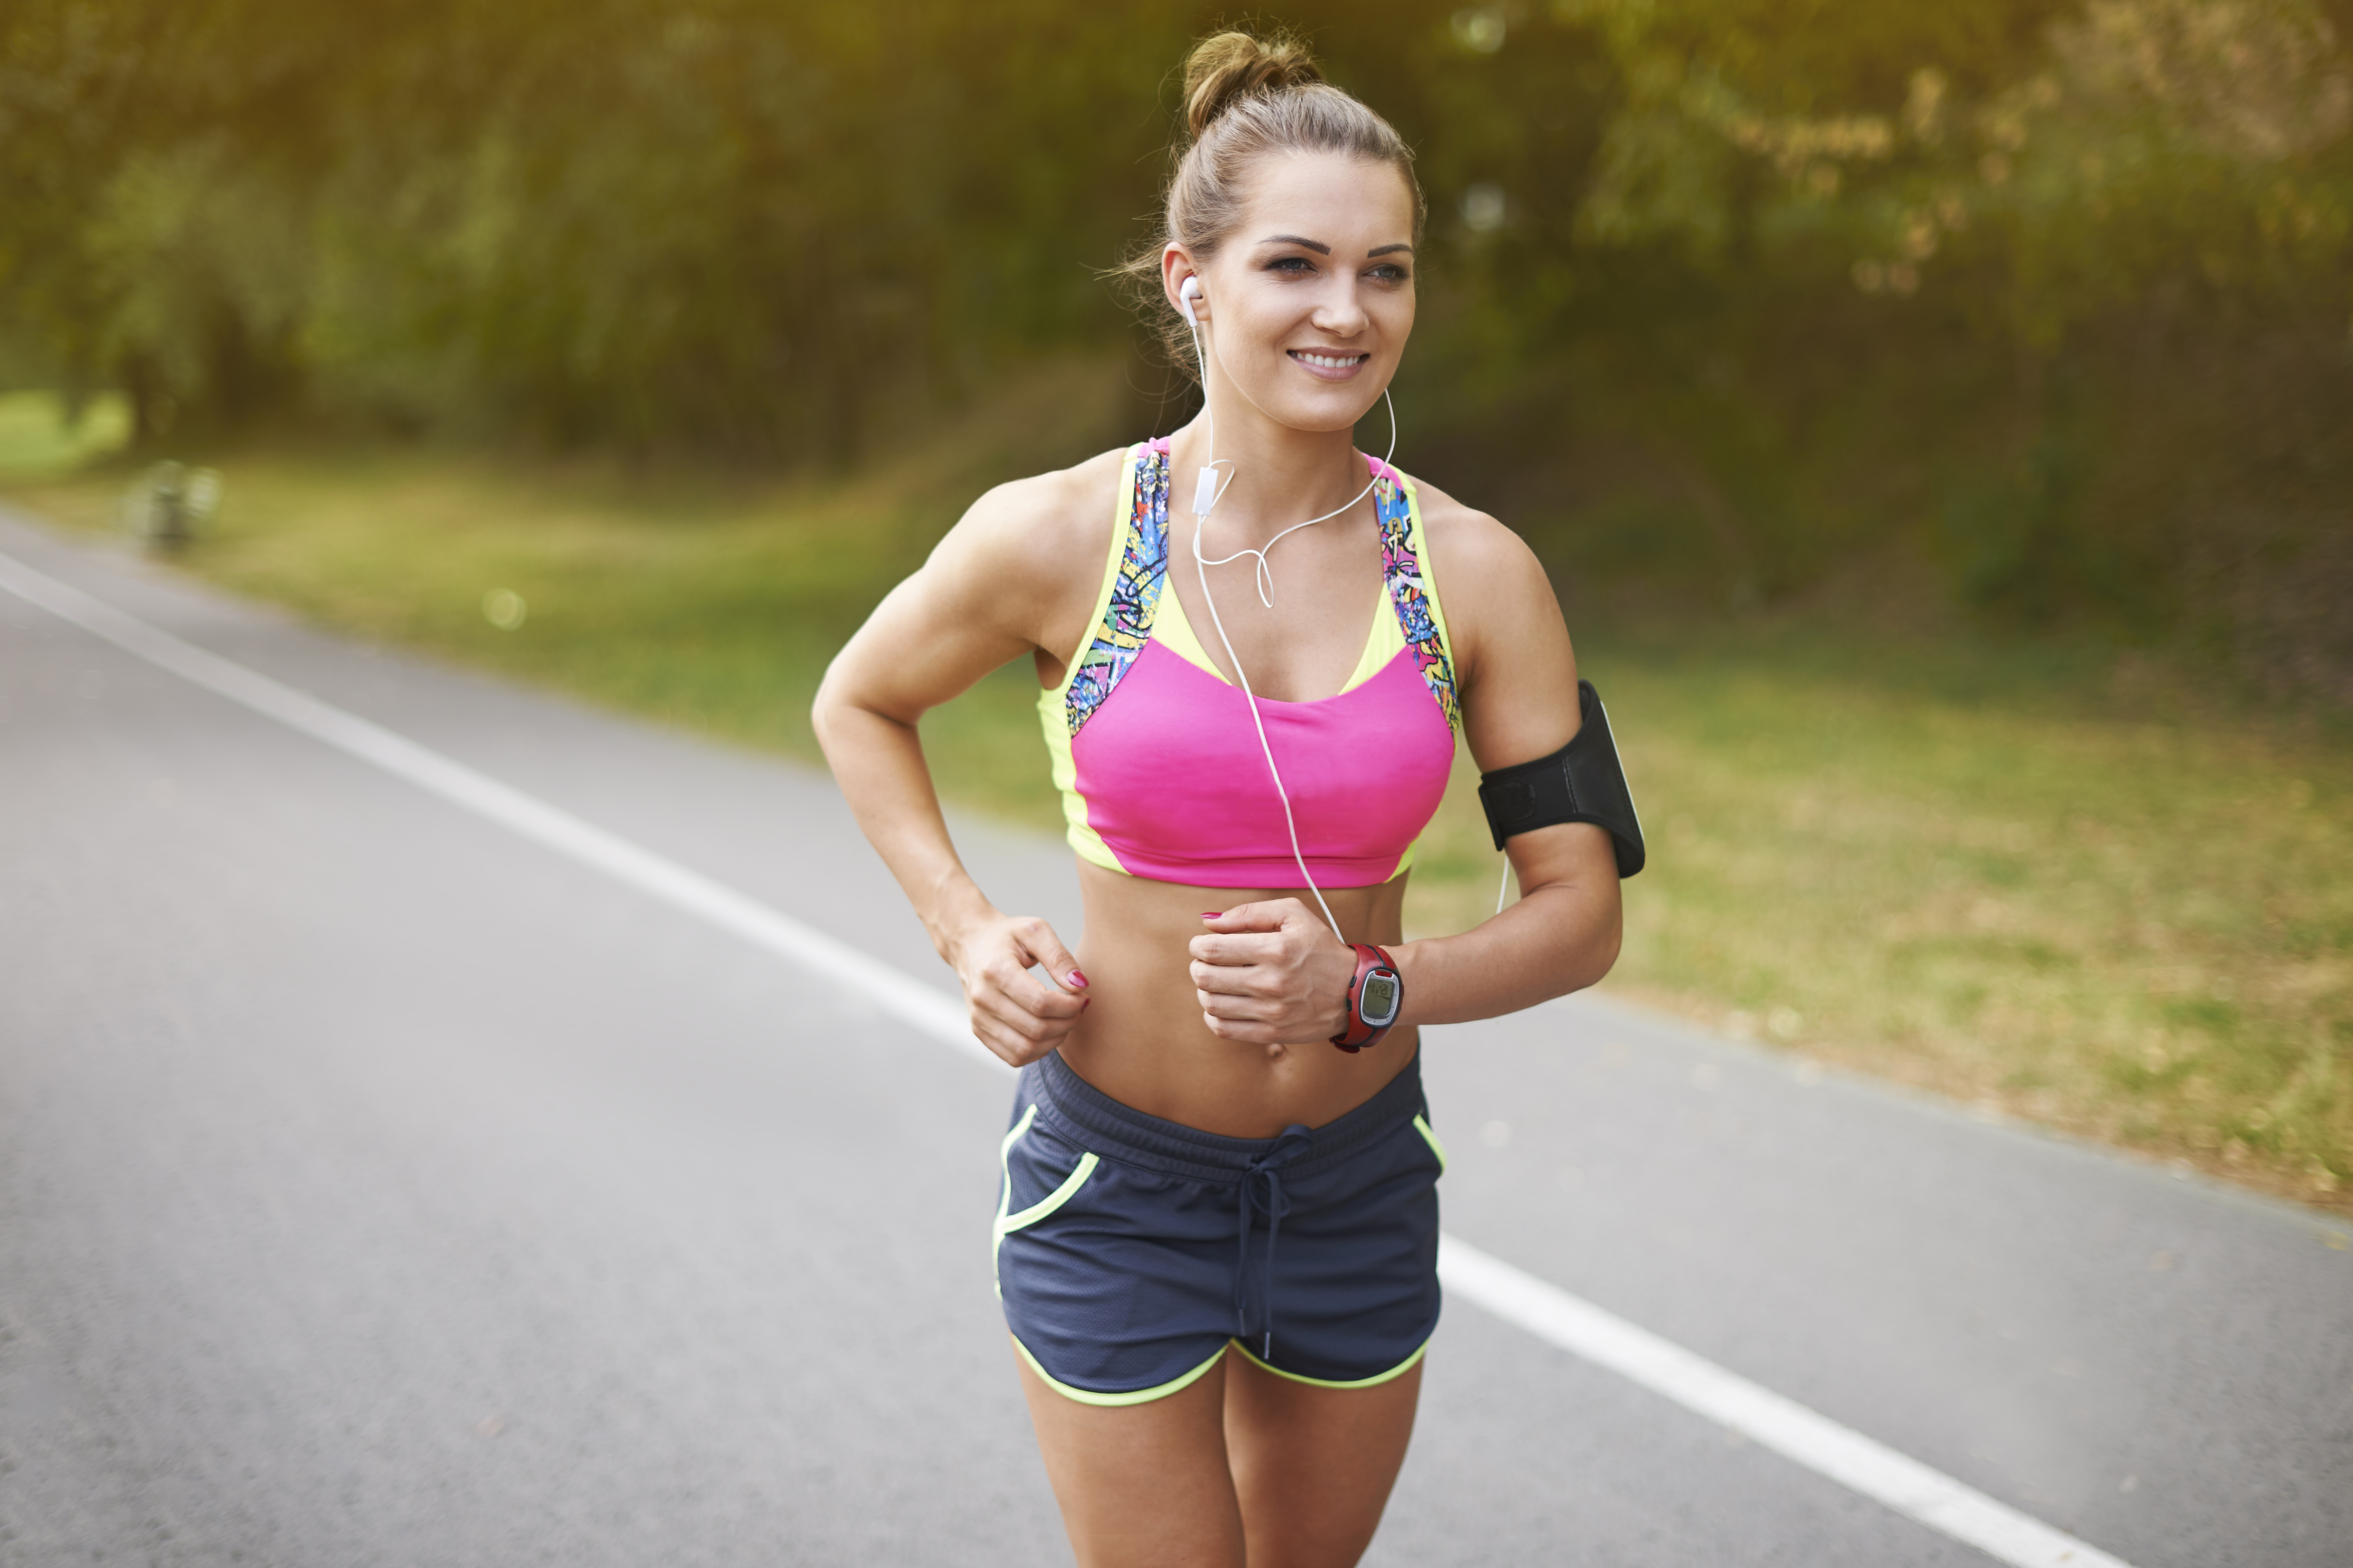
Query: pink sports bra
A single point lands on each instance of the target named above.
(1157, 758)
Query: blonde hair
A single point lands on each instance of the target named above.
(1246, 96)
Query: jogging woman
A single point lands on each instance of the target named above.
(1216, 1235)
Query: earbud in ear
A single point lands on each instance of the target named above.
(1186, 295)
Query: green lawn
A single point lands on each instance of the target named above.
(2042, 878)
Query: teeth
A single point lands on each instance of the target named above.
(1330, 361)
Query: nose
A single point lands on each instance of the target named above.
(1340, 310)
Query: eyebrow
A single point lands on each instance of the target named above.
(1319, 248)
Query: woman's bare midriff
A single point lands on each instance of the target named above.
(1144, 1042)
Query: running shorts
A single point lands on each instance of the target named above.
(1132, 1251)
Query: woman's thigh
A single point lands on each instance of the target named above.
(1145, 1485)
(1301, 1472)
(1313, 1467)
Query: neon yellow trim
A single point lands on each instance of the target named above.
(1374, 1381)
(1384, 644)
(1172, 631)
(1005, 1192)
(1123, 504)
(1420, 540)
(1140, 1396)
(1007, 1223)
(1053, 718)
(1078, 831)
(1405, 861)
(1005, 1149)
(1422, 1127)
(1420, 544)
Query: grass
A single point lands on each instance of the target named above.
(36, 442)
(2039, 876)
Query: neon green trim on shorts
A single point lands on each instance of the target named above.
(1008, 1222)
(1421, 1125)
(1378, 1378)
(1139, 1397)
(1006, 1225)
(1005, 1161)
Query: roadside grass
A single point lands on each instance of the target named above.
(36, 442)
(2009, 879)
(2042, 878)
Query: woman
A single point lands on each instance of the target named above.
(1217, 1236)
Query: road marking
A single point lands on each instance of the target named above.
(1786, 1428)
(1550, 1313)
(931, 1011)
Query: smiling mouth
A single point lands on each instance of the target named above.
(1327, 361)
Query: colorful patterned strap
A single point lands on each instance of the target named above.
(1410, 591)
(1126, 624)
(1143, 574)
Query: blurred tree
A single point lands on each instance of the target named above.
(1718, 294)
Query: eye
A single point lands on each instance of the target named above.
(1290, 266)
(1390, 272)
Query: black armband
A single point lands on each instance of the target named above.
(1582, 782)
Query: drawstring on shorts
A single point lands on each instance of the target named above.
(1266, 1168)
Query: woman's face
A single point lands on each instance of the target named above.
(1310, 299)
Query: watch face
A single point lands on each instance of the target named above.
(1379, 1001)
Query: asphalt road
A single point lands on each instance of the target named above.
(379, 1187)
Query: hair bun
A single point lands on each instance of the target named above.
(1227, 67)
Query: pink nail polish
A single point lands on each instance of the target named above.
(1078, 980)
(1210, 914)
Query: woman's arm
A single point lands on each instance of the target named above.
(1271, 972)
(1006, 580)
(1518, 684)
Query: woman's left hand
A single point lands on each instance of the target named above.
(1272, 974)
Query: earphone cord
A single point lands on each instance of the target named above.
(1264, 573)
(1265, 579)
(1263, 745)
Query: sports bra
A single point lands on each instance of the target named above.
(1158, 760)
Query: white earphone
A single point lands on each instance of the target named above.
(1206, 493)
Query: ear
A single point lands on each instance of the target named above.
(1175, 265)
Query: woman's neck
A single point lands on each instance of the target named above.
(1278, 475)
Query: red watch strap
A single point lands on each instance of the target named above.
(1359, 1033)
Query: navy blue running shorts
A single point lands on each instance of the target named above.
(1132, 1251)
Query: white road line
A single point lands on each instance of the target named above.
(1550, 1313)
(1786, 1428)
(928, 1010)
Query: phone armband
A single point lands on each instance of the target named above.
(1582, 782)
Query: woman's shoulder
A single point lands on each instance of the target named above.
(1496, 592)
(1047, 523)
(1471, 547)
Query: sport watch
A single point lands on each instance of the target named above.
(1375, 997)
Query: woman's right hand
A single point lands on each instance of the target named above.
(1017, 576)
(1013, 1013)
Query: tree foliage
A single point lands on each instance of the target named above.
(1722, 290)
